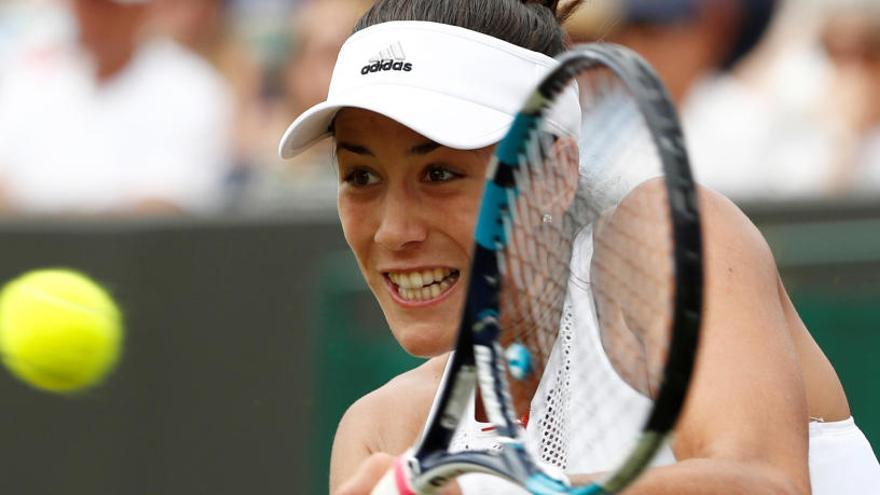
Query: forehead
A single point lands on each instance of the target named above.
(368, 133)
(364, 124)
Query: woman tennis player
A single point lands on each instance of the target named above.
(766, 413)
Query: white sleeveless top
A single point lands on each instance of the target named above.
(591, 431)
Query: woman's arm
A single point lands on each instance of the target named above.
(383, 424)
(351, 446)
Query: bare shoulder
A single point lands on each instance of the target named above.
(388, 419)
(726, 228)
(722, 221)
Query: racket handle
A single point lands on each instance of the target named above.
(397, 480)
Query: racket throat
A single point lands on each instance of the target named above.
(495, 396)
(481, 417)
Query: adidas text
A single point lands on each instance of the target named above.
(383, 65)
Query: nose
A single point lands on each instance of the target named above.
(402, 224)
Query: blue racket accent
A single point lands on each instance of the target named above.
(509, 149)
(487, 320)
(519, 361)
(593, 489)
(490, 229)
(487, 313)
(541, 484)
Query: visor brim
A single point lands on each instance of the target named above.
(446, 120)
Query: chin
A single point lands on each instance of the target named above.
(422, 340)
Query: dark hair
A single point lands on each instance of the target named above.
(534, 25)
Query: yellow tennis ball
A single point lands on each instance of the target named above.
(59, 330)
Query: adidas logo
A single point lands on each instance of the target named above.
(391, 58)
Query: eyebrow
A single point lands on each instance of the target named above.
(419, 149)
(424, 148)
(353, 148)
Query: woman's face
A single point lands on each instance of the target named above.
(408, 208)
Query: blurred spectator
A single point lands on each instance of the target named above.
(687, 41)
(28, 21)
(317, 31)
(208, 28)
(850, 39)
(797, 118)
(698, 48)
(821, 108)
(196, 24)
(731, 124)
(108, 121)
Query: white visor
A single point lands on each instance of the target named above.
(456, 87)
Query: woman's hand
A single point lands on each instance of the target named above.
(367, 475)
(371, 471)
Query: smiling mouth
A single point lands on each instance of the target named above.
(423, 285)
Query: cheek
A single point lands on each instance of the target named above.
(465, 221)
(356, 229)
(464, 234)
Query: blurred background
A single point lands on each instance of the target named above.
(138, 143)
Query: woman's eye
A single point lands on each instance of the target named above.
(361, 177)
(440, 174)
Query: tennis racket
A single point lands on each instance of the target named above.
(585, 295)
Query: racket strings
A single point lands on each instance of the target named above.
(634, 295)
(636, 262)
(546, 219)
(599, 348)
(539, 241)
(630, 275)
(635, 239)
(544, 224)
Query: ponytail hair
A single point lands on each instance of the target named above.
(562, 14)
(532, 24)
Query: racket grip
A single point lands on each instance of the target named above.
(397, 480)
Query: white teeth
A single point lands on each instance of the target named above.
(417, 280)
(421, 286)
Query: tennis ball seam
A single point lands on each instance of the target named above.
(53, 298)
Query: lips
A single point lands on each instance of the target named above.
(422, 285)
